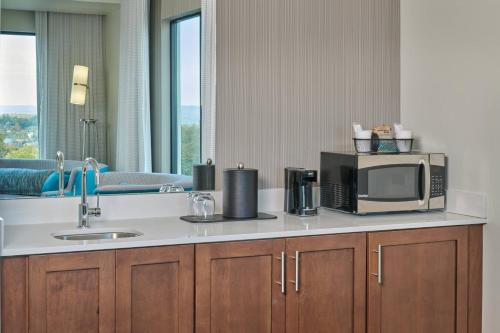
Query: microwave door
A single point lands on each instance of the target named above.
(393, 183)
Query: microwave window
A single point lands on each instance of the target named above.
(393, 183)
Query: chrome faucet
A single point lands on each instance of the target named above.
(84, 211)
(60, 171)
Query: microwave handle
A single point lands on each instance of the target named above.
(427, 181)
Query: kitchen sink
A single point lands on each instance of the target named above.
(95, 234)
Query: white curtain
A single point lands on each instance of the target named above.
(41, 27)
(208, 78)
(65, 40)
(134, 127)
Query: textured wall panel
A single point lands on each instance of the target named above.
(292, 76)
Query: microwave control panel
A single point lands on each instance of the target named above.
(438, 177)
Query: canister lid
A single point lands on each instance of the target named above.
(209, 164)
(240, 168)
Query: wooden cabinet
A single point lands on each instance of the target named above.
(412, 281)
(155, 290)
(14, 290)
(75, 292)
(418, 281)
(237, 287)
(72, 293)
(326, 291)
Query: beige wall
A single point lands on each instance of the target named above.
(450, 97)
(159, 62)
(171, 9)
(292, 76)
(18, 21)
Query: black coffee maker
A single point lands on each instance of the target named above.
(299, 191)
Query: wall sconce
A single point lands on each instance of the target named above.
(78, 96)
(80, 85)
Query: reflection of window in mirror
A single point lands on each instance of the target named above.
(18, 96)
(185, 95)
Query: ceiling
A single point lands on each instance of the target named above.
(65, 6)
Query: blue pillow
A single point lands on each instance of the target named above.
(90, 180)
(52, 183)
(18, 181)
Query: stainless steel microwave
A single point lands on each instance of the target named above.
(376, 183)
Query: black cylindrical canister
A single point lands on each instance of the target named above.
(204, 177)
(240, 192)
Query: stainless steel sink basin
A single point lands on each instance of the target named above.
(95, 234)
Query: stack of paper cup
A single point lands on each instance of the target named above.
(364, 144)
(403, 138)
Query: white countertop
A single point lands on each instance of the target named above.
(29, 239)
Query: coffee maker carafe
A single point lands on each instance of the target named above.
(299, 191)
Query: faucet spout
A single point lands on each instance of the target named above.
(60, 171)
(84, 211)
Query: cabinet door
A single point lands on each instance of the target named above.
(14, 295)
(237, 287)
(418, 281)
(326, 284)
(72, 293)
(155, 289)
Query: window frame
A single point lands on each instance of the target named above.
(174, 138)
(17, 33)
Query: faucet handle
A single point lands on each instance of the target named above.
(97, 210)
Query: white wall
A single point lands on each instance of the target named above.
(450, 97)
(18, 21)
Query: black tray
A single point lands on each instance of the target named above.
(220, 218)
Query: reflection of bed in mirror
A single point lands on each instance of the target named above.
(24, 178)
(39, 178)
(140, 182)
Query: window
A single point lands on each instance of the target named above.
(185, 93)
(18, 96)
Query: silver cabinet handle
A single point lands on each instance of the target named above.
(427, 179)
(282, 279)
(378, 251)
(379, 259)
(297, 270)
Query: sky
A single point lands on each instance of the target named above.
(17, 70)
(18, 67)
(189, 55)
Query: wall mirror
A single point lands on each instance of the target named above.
(116, 80)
